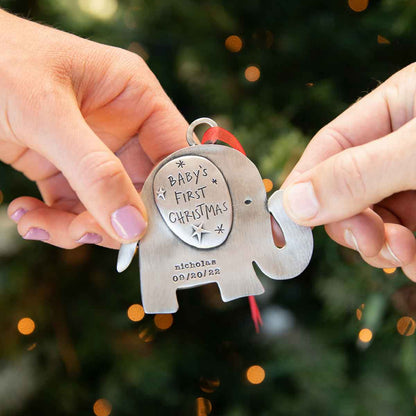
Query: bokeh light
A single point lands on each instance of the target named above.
(100, 9)
(135, 312)
(389, 270)
(146, 336)
(406, 326)
(365, 335)
(32, 347)
(382, 40)
(163, 321)
(209, 385)
(1, 197)
(203, 406)
(309, 84)
(359, 312)
(255, 374)
(102, 407)
(234, 43)
(252, 73)
(26, 326)
(358, 5)
(268, 185)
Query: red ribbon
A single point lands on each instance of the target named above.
(211, 136)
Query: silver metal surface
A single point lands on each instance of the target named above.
(169, 263)
(193, 199)
(125, 256)
(197, 122)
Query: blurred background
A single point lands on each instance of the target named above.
(338, 340)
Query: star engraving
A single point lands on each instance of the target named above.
(214, 181)
(180, 164)
(161, 193)
(198, 231)
(220, 229)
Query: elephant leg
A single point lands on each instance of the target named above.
(246, 284)
(158, 299)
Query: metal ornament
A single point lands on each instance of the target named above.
(208, 221)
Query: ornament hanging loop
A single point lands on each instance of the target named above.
(195, 123)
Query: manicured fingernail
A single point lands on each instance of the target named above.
(128, 223)
(302, 201)
(351, 240)
(18, 214)
(36, 234)
(388, 254)
(90, 238)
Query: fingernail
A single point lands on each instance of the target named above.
(90, 238)
(302, 201)
(128, 223)
(36, 234)
(18, 214)
(351, 240)
(388, 254)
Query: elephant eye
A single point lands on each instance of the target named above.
(248, 201)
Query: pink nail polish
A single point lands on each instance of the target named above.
(128, 223)
(18, 214)
(36, 234)
(90, 238)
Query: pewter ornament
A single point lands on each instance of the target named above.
(192, 197)
(185, 256)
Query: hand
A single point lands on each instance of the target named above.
(86, 122)
(358, 176)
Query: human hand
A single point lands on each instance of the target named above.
(358, 176)
(86, 122)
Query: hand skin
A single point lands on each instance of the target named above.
(86, 122)
(358, 176)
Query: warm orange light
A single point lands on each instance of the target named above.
(358, 5)
(390, 270)
(146, 336)
(365, 335)
(32, 347)
(382, 40)
(309, 84)
(135, 312)
(252, 73)
(203, 406)
(26, 326)
(268, 184)
(234, 43)
(1, 197)
(406, 326)
(102, 407)
(255, 374)
(209, 385)
(359, 312)
(163, 321)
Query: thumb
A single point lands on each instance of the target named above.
(352, 180)
(96, 175)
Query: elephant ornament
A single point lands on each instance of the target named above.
(208, 221)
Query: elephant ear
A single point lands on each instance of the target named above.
(292, 259)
